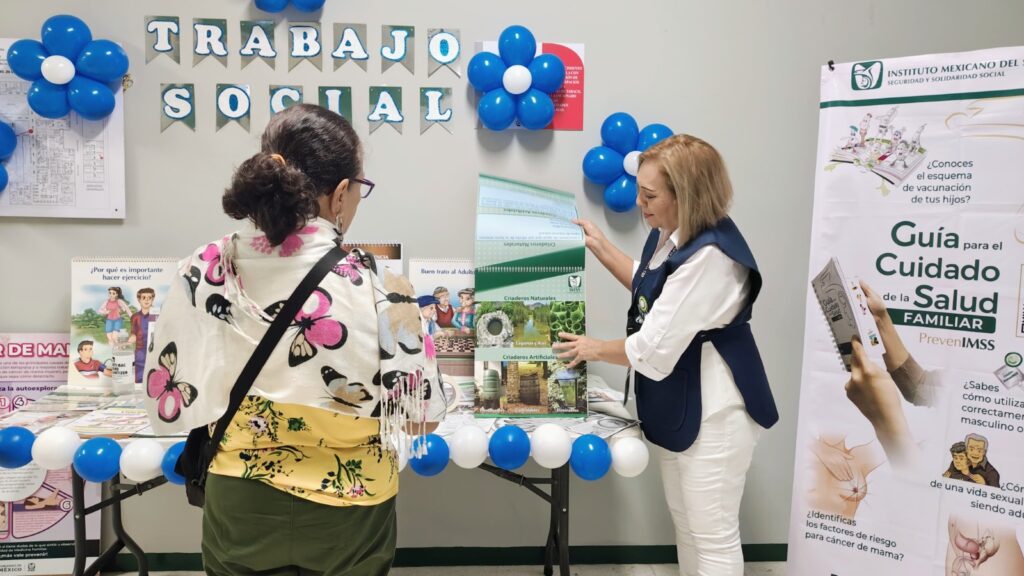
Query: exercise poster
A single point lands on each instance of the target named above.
(909, 454)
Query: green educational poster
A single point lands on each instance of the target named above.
(529, 287)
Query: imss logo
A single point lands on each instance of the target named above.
(867, 75)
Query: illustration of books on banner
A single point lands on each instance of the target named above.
(845, 307)
(882, 146)
(115, 306)
(529, 287)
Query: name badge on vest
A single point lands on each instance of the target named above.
(642, 308)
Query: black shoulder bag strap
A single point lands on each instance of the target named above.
(256, 362)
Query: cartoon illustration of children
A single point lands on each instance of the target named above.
(112, 308)
(897, 136)
(428, 313)
(465, 315)
(865, 124)
(851, 142)
(915, 142)
(88, 366)
(876, 145)
(140, 328)
(445, 311)
(901, 154)
(885, 121)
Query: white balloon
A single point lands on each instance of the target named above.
(630, 457)
(550, 446)
(631, 164)
(55, 448)
(58, 70)
(141, 460)
(517, 79)
(468, 446)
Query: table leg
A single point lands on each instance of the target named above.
(78, 510)
(123, 536)
(561, 486)
(550, 549)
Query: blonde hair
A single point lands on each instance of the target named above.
(696, 173)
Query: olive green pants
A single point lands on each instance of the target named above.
(253, 529)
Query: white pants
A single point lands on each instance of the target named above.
(703, 488)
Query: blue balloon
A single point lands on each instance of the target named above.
(92, 100)
(25, 58)
(48, 100)
(308, 5)
(3, 178)
(170, 460)
(535, 109)
(272, 5)
(620, 195)
(591, 458)
(65, 35)
(15, 442)
(603, 165)
(486, 71)
(517, 46)
(102, 60)
(652, 134)
(509, 447)
(497, 109)
(548, 72)
(98, 459)
(620, 132)
(8, 141)
(436, 458)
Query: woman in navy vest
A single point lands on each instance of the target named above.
(701, 390)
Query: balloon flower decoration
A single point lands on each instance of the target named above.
(615, 162)
(8, 142)
(279, 5)
(515, 83)
(69, 70)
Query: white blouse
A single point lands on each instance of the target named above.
(706, 292)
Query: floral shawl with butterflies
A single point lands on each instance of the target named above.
(356, 347)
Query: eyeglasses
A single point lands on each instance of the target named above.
(368, 183)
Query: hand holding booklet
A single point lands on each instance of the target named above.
(845, 307)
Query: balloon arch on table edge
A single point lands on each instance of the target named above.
(142, 459)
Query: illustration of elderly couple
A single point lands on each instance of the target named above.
(437, 312)
(970, 462)
(885, 145)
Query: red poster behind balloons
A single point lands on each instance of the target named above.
(569, 98)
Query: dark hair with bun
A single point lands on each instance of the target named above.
(320, 149)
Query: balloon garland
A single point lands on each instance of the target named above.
(143, 459)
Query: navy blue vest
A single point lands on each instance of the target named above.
(670, 409)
